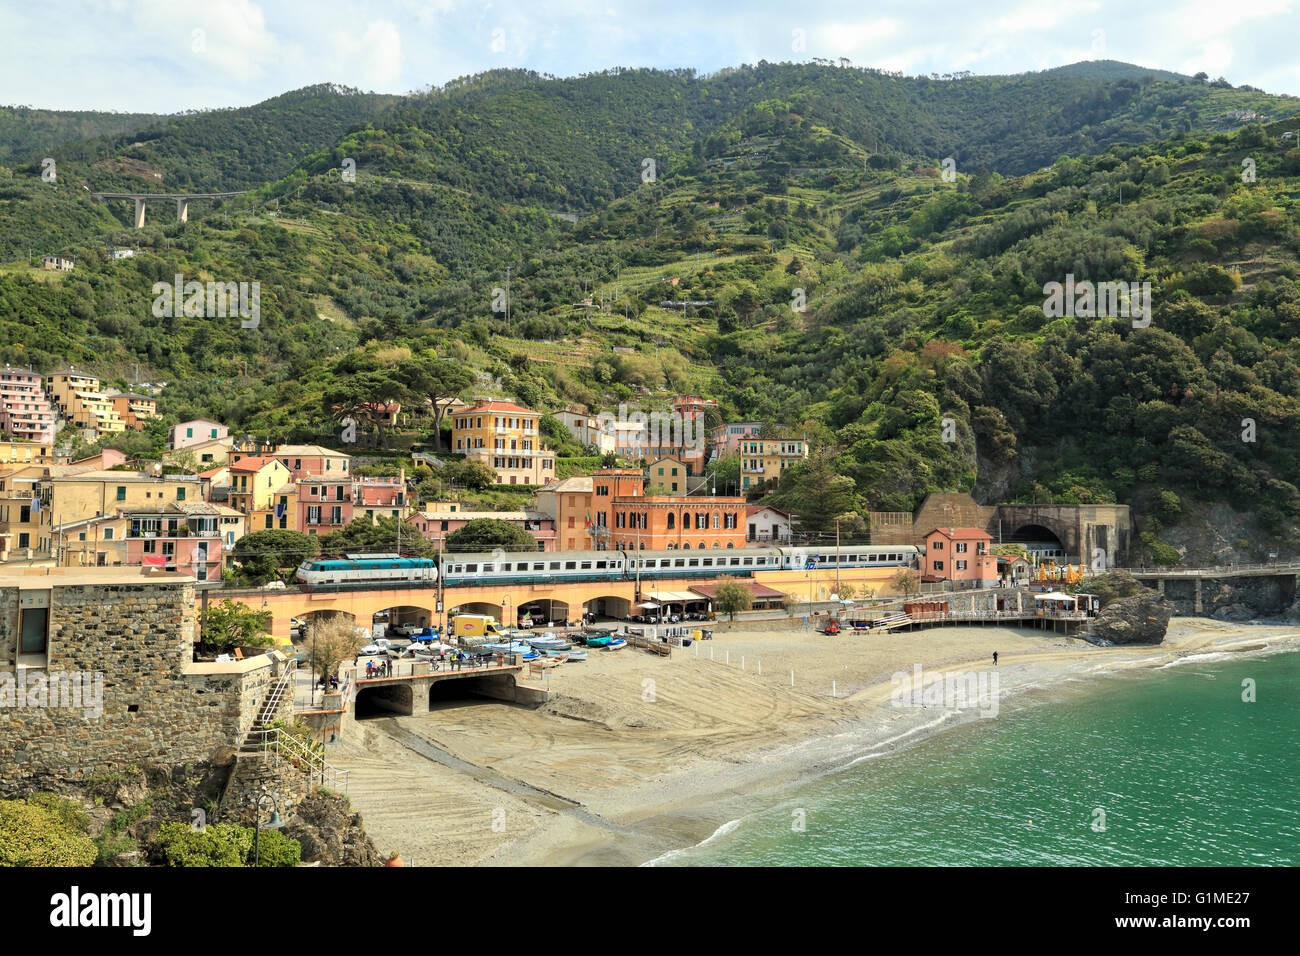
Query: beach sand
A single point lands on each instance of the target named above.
(636, 755)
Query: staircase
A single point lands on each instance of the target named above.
(266, 742)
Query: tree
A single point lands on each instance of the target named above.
(732, 596)
(333, 640)
(471, 474)
(484, 534)
(907, 581)
(380, 535)
(442, 381)
(234, 624)
(264, 555)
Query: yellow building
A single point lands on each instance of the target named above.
(506, 438)
(262, 489)
(766, 459)
(78, 398)
(25, 453)
(134, 410)
(667, 477)
(20, 517)
(72, 497)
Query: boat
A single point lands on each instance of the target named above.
(555, 653)
(616, 644)
(550, 643)
(577, 655)
(531, 656)
(598, 641)
(514, 647)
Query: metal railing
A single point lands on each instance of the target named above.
(1173, 572)
(277, 744)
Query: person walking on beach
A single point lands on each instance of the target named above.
(995, 658)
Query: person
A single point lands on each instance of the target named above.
(370, 666)
(995, 658)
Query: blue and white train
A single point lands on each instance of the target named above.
(536, 567)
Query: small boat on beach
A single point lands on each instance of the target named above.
(598, 641)
(577, 655)
(550, 643)
(514, 647)
(615, 644)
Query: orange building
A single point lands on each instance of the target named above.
(677, 522)
(961, 555)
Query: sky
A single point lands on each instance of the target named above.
(164, 56)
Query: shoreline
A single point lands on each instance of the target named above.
(599, 775)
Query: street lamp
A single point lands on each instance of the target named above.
(275, 823)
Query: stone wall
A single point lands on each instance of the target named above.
(132, 638)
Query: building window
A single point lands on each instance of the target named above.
(180, 494)
(938, 565)
(121, 492)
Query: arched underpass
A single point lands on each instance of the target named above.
(383, 701)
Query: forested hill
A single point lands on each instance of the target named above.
(24, 129)
(215, 150)
(854, 290)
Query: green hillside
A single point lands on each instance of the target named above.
(775, 186)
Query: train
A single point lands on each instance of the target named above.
(536, 567)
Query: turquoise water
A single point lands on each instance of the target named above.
(1185, 772)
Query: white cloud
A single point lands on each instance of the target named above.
(373, 60)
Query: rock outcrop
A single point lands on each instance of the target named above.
(330, 833)
(1142, 618)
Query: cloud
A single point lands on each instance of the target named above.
(373, 60)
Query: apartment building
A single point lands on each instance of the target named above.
(14, 453)
(726, 439)
(588, 430)
(677, 522)
(135, 410)
(324, 504)
(258, 491)
(25, 410)
(78, 398)
(306, 461)
(381, 497)
(506, 438)
(766, 459)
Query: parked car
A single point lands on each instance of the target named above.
(274, 586)
(407, 630)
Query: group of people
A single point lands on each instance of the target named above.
(382, 669)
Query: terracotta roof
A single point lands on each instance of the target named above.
(954, 533)
(255, 463)
(497, 407)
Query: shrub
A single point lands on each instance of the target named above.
(221, 844)
(276, 849)
(32, 834)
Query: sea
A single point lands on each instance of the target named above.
(1196, 763)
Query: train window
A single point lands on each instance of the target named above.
(586, 565)
(694, 563)
(570, 565)
(555, 565)
(748, 561)
(679, 563)
(488, 568)
(735, 561)
(539, 566)
(599, 565)
(471, 568)
(708, 562)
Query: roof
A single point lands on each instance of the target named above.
(188, 508)
(954, 533)
(575, 485)
(710, 591)
(255, 463)
(198, 421)
(305, 450)
(755, 509)
(497, 407)
(473, 515)
(213, 472)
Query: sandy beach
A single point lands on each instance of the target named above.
(634, 755)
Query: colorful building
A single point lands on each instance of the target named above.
(960, 556)
(726, 439)
(25, 410)
(78, 398)
(257, 491)
(25, 453)
(677, 522)
(324, 504)
(766, 459)
(506, 437)
(306, 461)
(185, 434)
(134, 410)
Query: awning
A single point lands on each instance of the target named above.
(649, 605)
(674, 597)
(1055, 596)
(761, 591)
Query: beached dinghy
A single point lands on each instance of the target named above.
(616, 644)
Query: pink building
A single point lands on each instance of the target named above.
(184, 434)
(380, 497)
(184, 536)
(313, 461)
(436, 525)
(25, 411)
(324, 504)
(726, 439)
(960, 556)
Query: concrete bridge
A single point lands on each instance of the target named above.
(182, 202)
(413, 693)
(565, 601)
(1289, 570)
